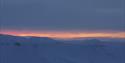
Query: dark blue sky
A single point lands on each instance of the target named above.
(63, 14)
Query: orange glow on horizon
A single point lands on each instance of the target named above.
(68, 35)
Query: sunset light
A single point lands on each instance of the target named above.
(68, 35)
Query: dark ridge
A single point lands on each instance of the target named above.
(18, 40)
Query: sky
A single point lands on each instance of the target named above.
(62, 15)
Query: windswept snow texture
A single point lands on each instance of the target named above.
(12, 50)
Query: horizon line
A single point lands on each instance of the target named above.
(69, 35)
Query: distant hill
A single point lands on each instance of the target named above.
(46, 40)
(26, 40)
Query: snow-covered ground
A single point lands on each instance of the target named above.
(31, 52)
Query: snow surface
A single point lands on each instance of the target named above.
(31, 52)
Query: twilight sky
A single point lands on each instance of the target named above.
(64, 15)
